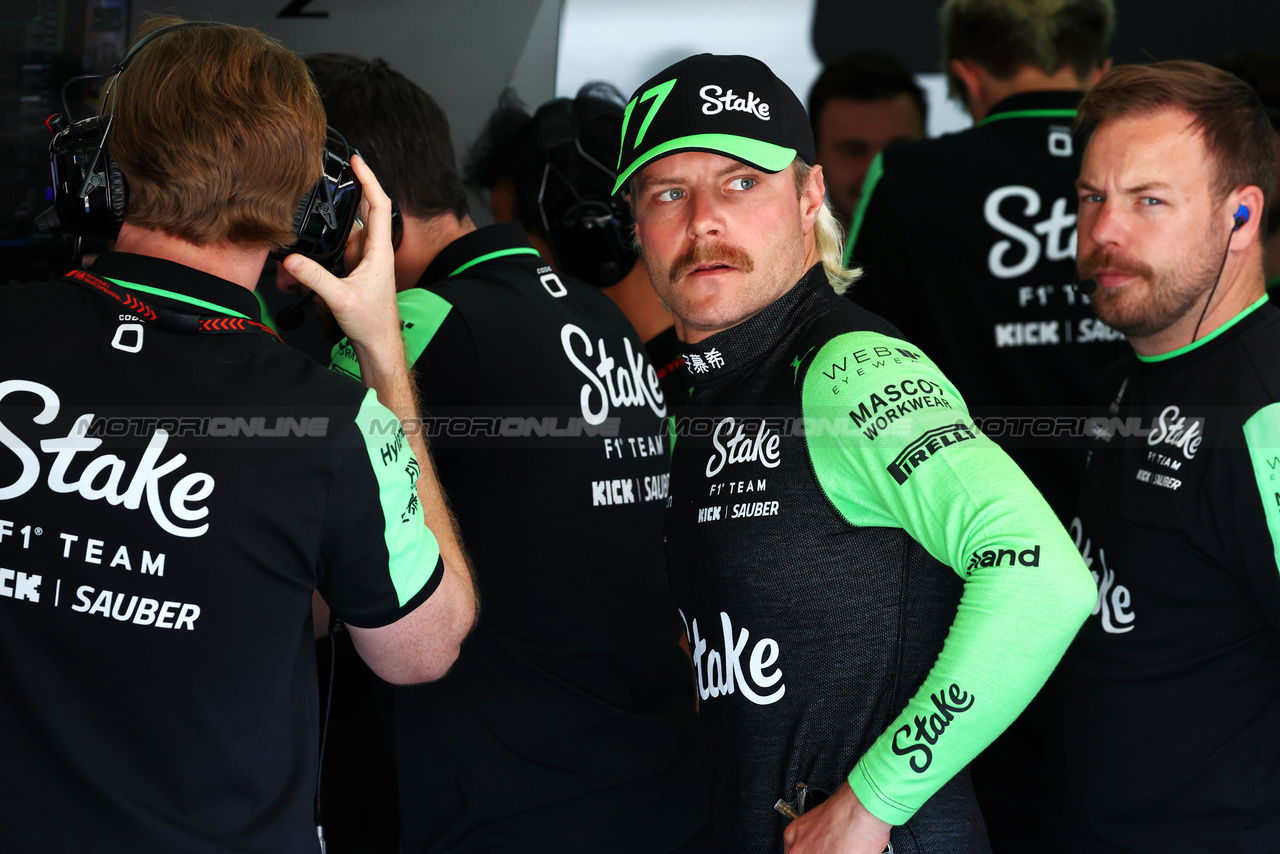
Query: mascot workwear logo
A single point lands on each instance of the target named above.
(634, 384)
(761, 447)
(718, 100)
(102, 476)
(721, 675)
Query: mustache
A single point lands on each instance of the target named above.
(709, 253)
(1109, 260)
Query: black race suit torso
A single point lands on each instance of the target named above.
(567, 723)
(168, 503)
(967, 244)
(1170, 714)
(824, 484)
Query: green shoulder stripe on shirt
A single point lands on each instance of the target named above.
(266, 313)
(1028, 114)
(1262, 438)
(501, 253)
(893, 446)
(412, 551)
(161, 292)
(874, 173)
(421, 313)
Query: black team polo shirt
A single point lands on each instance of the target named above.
(168, 503)
(567, 723)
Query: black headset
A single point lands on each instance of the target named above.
(592, 238)
(90, 193)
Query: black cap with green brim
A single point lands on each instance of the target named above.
(729, 105)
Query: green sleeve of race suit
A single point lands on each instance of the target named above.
(892, 446)
(421, 313)
(1262, 438)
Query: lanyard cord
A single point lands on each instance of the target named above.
(168, 318)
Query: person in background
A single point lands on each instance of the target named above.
(553, 173)
(859, 105)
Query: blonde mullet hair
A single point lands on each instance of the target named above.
(829, 236)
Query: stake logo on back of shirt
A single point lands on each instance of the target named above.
(1003, 260)
(102, 476)
(633, 384)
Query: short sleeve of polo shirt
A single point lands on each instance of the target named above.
(1250, 517)
(379, 560)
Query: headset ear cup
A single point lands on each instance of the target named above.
(117, 187)
(304, 209)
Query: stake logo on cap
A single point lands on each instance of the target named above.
(729, 105)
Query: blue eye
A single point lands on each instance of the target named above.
(1093, 198)
(743, 183)
(671, 195)
(1148, 200)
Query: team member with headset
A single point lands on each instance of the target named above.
(553, 172)
(568, 722)
(174, 482)
(872, 590)
(1169, 724)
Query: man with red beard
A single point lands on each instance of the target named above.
(872, 590)
(1170, 717)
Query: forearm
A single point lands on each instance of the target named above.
(1012, 626)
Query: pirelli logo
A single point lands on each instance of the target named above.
(925, 446)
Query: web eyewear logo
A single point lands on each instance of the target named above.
(718, 100)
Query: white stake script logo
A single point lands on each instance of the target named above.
(717, 102)
(1057, 229)
(1172, 429)
(723, 676)
(763, 447)
(1114, 600)
(102, 476)
(636, 384)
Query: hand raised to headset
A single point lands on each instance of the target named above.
(364, 302)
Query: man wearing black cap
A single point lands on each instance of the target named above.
(871, 589)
